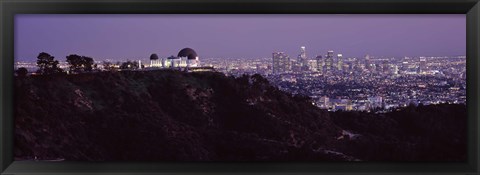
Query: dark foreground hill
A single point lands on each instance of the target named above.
(171, 115)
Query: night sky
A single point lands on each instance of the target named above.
(122, 37)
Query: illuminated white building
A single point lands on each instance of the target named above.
(339, 62)
(186, 58)
(155, 61)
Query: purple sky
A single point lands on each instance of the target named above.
(121, 37)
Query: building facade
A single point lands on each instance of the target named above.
(281, 63)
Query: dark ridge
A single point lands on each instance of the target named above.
(169, 115)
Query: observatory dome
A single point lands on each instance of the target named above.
(154, 57)
(187, 52)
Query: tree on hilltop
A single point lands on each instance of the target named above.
(79, 64)
(129, 65)
(109, 66)
(47, 64)
(21, 72)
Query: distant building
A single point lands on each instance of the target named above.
(281, 63)
(375, 102)
(323, 102)
(295, 66)
(339, 62)
(422, 66)
(386, 67)
(395, 70)
(343, 107)
(302, 60)
(319, 63)
(341, 104)
(368, 63)
(312, 64)
(303, 53)
(289, 78)
(378, 68)
(328, 62)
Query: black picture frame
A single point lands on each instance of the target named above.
(9, 8)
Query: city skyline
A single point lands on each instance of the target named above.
(240, 88)
(103, 36)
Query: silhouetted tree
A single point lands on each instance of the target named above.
(109, 66)
(75, 62)
(47, 64)
(22, 72)
(129, 65)
(80, 64)
(88, 63)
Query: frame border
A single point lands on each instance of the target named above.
(8, 9)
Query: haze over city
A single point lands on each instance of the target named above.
(122, 37)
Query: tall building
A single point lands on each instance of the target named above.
(339, 62)
(295, 66)
(302, 60)
(312, 64)
(422, 67)
(281, 63)
(368, 63)
(303, 54)
(319, 63)
(386, 67)
(395, 70)
(350, 66)
(378, 67)
(328, 61)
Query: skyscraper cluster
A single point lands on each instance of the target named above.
(327, 64)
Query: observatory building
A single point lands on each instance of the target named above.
(186, 58)
(155, 61)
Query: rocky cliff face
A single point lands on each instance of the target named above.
(171, 115)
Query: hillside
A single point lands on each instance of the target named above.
(170, 115)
